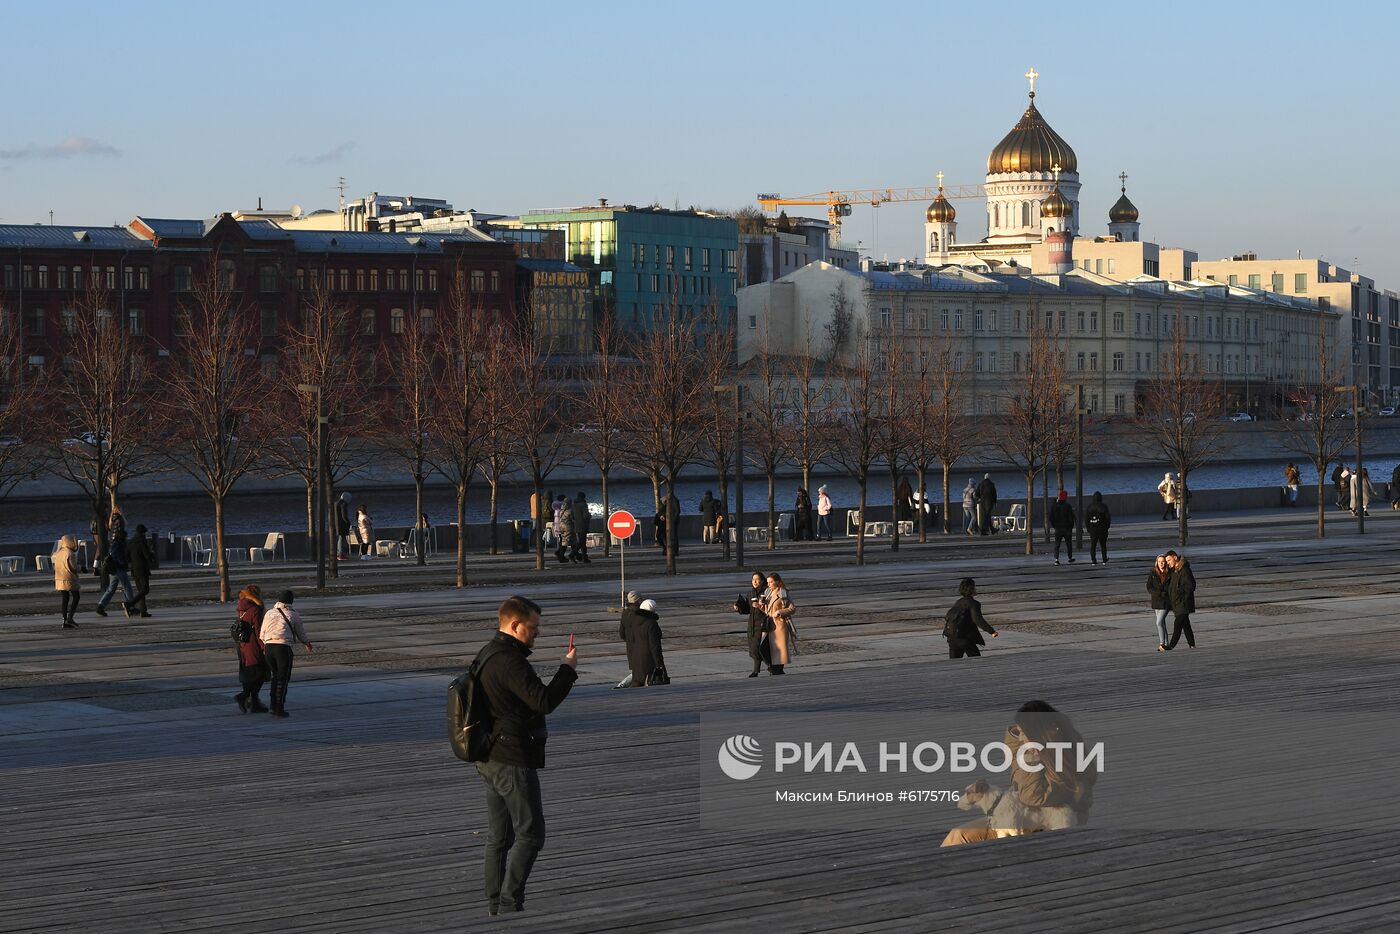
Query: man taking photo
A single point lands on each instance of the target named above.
(517, 702)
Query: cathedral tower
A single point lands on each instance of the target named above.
(1123, 216)
(940, 228)
(1022, 177)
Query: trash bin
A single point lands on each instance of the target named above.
(522, 533)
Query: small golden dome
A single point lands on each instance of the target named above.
(940, 212)
(1031, 146)
(1123, 210)
(1057, 205)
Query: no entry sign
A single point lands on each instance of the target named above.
(622, 524)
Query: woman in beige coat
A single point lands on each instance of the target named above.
(780, 609)
(66, 578)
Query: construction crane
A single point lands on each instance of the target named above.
(838, 203)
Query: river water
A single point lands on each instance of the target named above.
(35, 521)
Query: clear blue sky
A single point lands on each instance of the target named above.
(1270, 127)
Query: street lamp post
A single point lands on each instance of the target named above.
(1079, 469)
(737, 529)
(323, 486)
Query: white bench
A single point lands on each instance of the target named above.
(11, 564)
(43, 562)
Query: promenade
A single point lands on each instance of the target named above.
(137, 797)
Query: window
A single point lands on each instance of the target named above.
(655, 282)
(957, 320)
(267, 279)
(36, 320)
(1118, 362)
(1119, 401)
(1254, 280)
(373, 280)
(1079, 363)
(183, 280)
(1276, 282)
(367, 321)
(1300, 282)
(28, 277)
(427, 321)
(301, 279)
(226, 275)
(1118, 322)
(977, 320)
(418, 280)
(1234, 281)
(268, 321)
(689, 260)
(432, 280)
(396, 321)
(143, 278)
(1093, 322)
(977, 362)
(1112, 266)
(753, 322)
(670, 257)
(62, 277)
(478, 278)
(9, 277)
(359, 280)
(1094, 361)
(943, 320)
(70, 320)
(1079, 320)
(43, 277)
(1016, 361)
(885, 318)
(136, 322)
(111, 277)
(923, 321)
(992, 316)
(1098, 266)
(128, 277)
(992, 362)
(495, 280)
(705, 259)
(403, 280)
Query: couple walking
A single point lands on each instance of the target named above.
(772, 637)
(1172, 587)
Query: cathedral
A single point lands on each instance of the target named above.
(1032, 199)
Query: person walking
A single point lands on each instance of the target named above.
(759, 646)
(969, 504)
(1341, 478)
(1291, 480)
(139, 559)
(986, 502)
(783, 635)
(709, 506)
(641, 632)
(67, 580)
(342, 527)
(281, 629)
(1361, 491)
(1097, 519)
(1181, 595)
(802, 528)
(517, 702)
(824, 512)
(904, 499)
(115, 566)
(964, 623)
(1062, 521)
(583, 521)
(563, 529)
(1168, 490)
(252, 656)
(658, 526)
(365, 526)
(1158, 579)
(1395, 487)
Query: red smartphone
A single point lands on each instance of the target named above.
(571, 642)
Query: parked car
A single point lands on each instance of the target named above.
(1342, 413)
(87, 438)
(9, 441)
(1240, 417)
(1387, 410)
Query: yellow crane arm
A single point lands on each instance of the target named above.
(838, 201)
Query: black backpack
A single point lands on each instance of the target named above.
(469, 721)
(953, 619)
(241, 631)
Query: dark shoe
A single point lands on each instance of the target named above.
(279, 712)
(100, 612)
(256, 706)
(145, 615)
(1057, 562)
(587, 560)
(776, 670)
(69, 624)
(242, 703)
(1095, 560)
(1071, 560)
(753, 674)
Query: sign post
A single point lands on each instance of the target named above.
(621, 525)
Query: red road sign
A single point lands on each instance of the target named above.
(622, 524)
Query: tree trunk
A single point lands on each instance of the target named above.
(420, 535)
(539, 538)
(772, 514)
(1044, 505)
(333, 533)
(1030, 511)
(860, 526)
(607, 511)
(219, 544)
(724, 510)
(894, 508)
(311, 518)
(673, 518)
(495, 485)
(1181, 510)
(947, 527)
(461, 535)
(1321, 502)
(806, 475)
(923, 506)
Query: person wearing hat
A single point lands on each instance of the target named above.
(139, 558)
(641, 631)
(823, 513)
(281, 629)
(986, 502)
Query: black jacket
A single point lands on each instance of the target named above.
(116, 548)
(1062, 516)
(1337, 477)
(139, 557)
(987, 494)
(641, 630)
(342, 517)
(1097, 518)
(1157, 589)
(1181, 589)
(709, 506)
(582, 517)
(968, 619)
(758, 619)
(517, 701)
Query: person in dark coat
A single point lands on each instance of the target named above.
(1395, 487)
(641, 631)
(1343, 488)
(802, 528)
(252, 659)
(342, 527)
(1158, 580)
(658, 525)
(139, 559)
(115, 564)
(709, 508)
(583, 521)
(516, 703)
(962, 624)
(759, 624)
(1062, 521)
(1181, 594)
(1097, 519)
(986, 502)
(904, 499)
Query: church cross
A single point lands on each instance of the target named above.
(1032, 75)
(1123, 182)
(940, 181)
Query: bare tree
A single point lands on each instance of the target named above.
(1183, 417)
(321, 347)
(98, 403)
(1313, 432)
(717, 419)
(495, 395)
(942, 432)
(806, 436)
(857, 427)
(603, 401)
(894, 430)
(455, 422)
(765, 414)
(19, 397)
(1024, 435)
(408, 364)
(212, 391)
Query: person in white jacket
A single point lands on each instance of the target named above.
(1168, 490)
(823, 513)
(281, 629)
(365, 526)
(1361, 491)
(969, 501)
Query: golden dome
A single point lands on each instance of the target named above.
(1031, 146)
(1057, 205)
(940, 212)
(1123, 210)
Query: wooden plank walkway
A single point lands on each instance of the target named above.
(136, 798)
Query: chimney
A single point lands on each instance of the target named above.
(259, 204)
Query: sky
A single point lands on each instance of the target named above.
(1265, 127)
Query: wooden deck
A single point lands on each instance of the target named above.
(136, 798)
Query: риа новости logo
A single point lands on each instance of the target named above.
(740, 757)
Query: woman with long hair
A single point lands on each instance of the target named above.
(780, 609)
(1157, 579)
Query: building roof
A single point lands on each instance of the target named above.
(34, 236)
(1032, 146)
(177, 228)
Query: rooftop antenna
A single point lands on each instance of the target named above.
(50, 217)
(341, 186)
